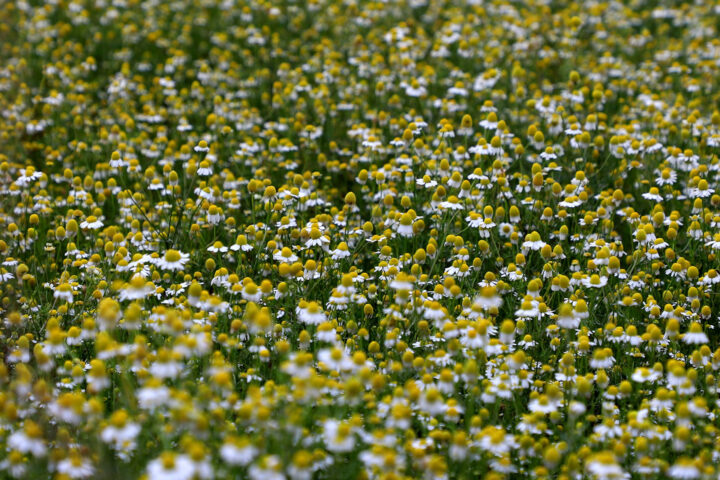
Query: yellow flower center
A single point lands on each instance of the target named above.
(172, 256)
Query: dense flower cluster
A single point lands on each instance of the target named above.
(363, 240)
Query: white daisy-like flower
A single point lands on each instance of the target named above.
(121, 435)
(335, 359)
(201, 147)
(153, 395)
(64, 292)
(91, 223)
(173, 260)
(136, 289)
(594, 281)
(695, 336)
(27, 176)
(310, 313)
(171, 466)
(268, 467)
(338, 436)
(217, 247)
(684, 469)
(643, 375)
(238, 452)
(28, 442)
(404, 227)
(76, 467)
(604, 466)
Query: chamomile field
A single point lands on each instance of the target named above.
(343, 239)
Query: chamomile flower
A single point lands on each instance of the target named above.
(171, 466)
(201, 147)
(64, 292)
(121, 434)
(603, 466)
(173, 260)
(27, 176)
(310, 313)
(91, 223)
(695, 335)
(76, 466)
(137, 288)
(29, 439)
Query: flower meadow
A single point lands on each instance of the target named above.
(342, 239)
